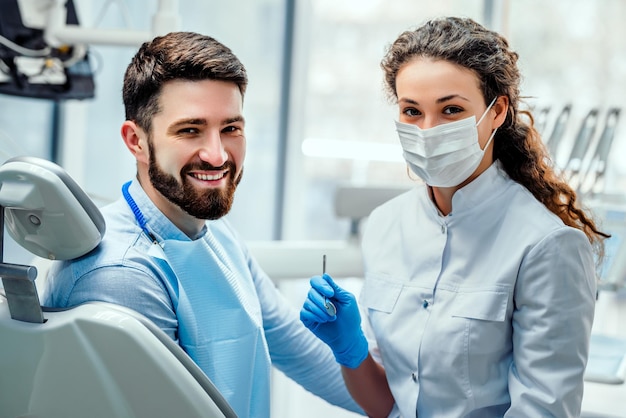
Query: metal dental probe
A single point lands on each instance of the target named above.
(330, 307)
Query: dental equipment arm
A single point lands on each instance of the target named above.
(57, 32)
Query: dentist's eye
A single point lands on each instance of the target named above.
(411, 112)
(451, 110)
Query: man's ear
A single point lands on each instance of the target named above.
(501, 107)
(136, 140)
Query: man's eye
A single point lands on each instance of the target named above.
(187, 131)
(231, 129)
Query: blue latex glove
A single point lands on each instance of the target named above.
(342, 331)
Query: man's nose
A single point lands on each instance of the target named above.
(212, 150)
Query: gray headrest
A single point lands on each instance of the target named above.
(46, 211)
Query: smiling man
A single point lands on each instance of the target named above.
(169, 254)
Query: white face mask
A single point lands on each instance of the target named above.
(444, 155)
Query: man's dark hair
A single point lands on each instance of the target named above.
(175, 56)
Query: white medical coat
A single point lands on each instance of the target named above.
(486, 312)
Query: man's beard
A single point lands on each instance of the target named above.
(201, 204)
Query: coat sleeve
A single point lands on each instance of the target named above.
(554, 306)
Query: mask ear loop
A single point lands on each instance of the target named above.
(486, 110)
(489, 140)
(481, 119)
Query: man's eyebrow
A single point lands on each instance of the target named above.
(191, 121)
(203, 122)
(233, 120)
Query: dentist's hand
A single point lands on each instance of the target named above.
(342, 331)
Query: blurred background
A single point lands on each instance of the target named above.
(317, 118)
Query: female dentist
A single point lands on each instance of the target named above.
(480, 283)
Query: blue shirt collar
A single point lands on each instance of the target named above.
(160, 226)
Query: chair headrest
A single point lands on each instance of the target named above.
(46, 211)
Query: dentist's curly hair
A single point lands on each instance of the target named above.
(517, 143)
(175, 56)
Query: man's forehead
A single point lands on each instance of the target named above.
(201, 102)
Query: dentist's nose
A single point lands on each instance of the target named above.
(429, 122)
(212, 150)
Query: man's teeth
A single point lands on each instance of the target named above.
(209, 177)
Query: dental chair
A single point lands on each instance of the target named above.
(95, 360)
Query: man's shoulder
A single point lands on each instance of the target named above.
(115, 259)
(120, 244)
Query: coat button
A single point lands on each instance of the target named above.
(414, 377)
(443, 229)
(425, 304)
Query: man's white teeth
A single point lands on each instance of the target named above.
(209, 177)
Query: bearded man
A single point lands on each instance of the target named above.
(169, 254)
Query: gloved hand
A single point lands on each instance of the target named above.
(342, 331)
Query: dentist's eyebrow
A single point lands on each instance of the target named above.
(452, 96)
(406, 100)
(439, 100)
